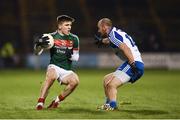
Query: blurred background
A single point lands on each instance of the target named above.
(153, 24)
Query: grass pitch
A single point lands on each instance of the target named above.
(155, 95)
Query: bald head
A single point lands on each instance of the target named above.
(105, 21)
(104, 26)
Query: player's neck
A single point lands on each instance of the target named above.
(108, 30)
(60, 33)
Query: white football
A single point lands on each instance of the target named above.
(51, 41)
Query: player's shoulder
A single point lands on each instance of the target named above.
(117, 32)
(74, 36)
(53, 33)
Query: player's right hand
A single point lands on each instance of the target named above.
(41, 41)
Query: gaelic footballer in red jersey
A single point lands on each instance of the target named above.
(62, 53)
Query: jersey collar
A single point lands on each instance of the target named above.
(110, 31)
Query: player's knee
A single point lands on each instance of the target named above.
(74, 80)
(111, 85)
(107, 79)
(105, 82)
(51, 74)
(73, 83)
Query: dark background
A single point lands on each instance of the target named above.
(153, 24)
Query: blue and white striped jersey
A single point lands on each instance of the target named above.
(117, 37)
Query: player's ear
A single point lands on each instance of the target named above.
(103, 27)
(59, 26)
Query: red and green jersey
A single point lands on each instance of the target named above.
(57, 52)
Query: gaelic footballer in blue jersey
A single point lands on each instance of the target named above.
(125, 48)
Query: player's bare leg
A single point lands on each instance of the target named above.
(71, 81)
(106, 81)
(112, 88)
(50, 78)
(111, 83)
(112, 91)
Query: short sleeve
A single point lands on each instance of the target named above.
(76, 43)
(115, 37)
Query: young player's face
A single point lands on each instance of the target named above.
(65, 27)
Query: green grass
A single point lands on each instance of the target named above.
(155, 95)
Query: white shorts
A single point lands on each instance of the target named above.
(60, 72)
(122, 76)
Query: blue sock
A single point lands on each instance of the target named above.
(113, 104)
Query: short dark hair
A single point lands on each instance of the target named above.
(62, 18)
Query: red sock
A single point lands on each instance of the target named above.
(41, 100)
(61, 98)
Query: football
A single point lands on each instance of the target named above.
(51, 41)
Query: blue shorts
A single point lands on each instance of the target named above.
(125, 67)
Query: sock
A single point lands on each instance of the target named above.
(57, 99)
(41, 100)
(113, 104)
(107, 100)
(61, 98)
